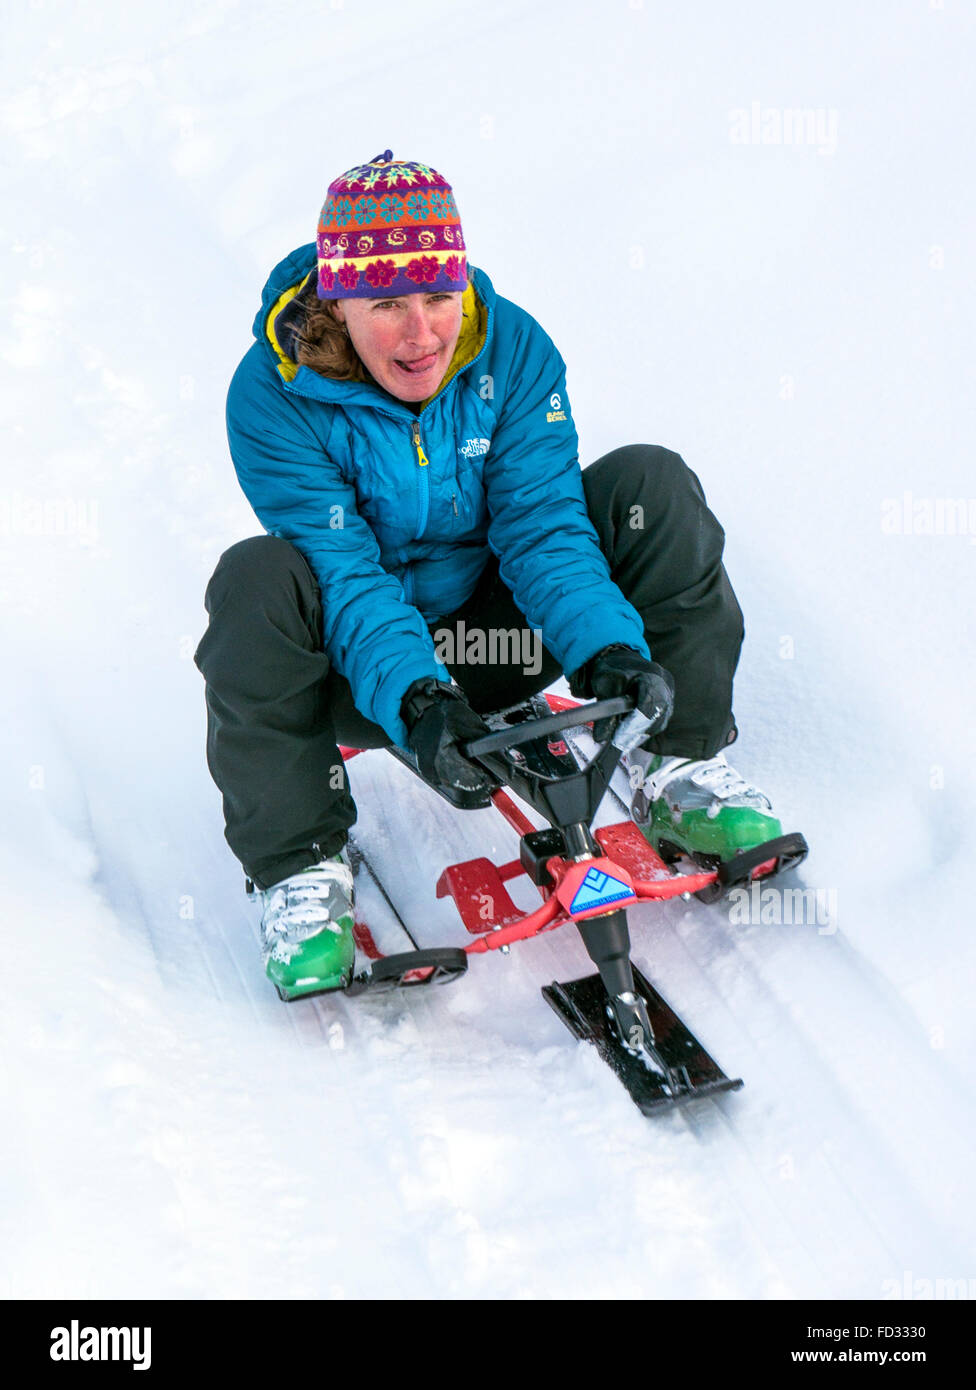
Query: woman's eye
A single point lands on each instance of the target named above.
(392, 303)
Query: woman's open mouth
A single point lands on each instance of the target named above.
(417, 367)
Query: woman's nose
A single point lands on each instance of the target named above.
(418, 326)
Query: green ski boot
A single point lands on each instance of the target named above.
(306, 929)
(700, 808)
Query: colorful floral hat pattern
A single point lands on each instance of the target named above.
(387, 228)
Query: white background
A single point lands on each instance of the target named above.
(797, 322)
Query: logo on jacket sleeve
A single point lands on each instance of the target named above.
(556, 413)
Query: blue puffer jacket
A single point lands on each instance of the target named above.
(396, 512)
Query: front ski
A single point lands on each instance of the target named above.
(583, 1006)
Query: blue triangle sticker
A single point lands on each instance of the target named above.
(598, 889)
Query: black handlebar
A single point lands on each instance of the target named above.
(502, 739)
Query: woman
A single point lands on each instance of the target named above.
(404, 435)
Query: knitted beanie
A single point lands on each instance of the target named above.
(387, 228)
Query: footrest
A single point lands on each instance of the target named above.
(626, 846)
(785, 852)
(436, 966)
(480, 895)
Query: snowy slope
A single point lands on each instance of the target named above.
(793, 319)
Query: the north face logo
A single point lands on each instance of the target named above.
(473, 448)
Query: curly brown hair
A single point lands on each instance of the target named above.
(323, 343)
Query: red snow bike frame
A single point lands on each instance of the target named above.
(580, 876)
(584, 876)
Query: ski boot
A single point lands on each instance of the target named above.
(703, 810)
(306, 929)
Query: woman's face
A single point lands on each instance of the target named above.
(407, 343)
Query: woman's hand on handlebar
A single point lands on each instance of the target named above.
(438, 719)
(619, 670)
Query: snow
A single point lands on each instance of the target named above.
(795, 318)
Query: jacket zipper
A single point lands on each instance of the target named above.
(421, 456)
(424, 463)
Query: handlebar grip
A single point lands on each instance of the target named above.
(631, 730)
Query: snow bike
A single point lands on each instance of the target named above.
(587, 877)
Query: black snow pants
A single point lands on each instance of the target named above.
(277, 709)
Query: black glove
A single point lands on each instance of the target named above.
(619, 670)
(438, 718)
